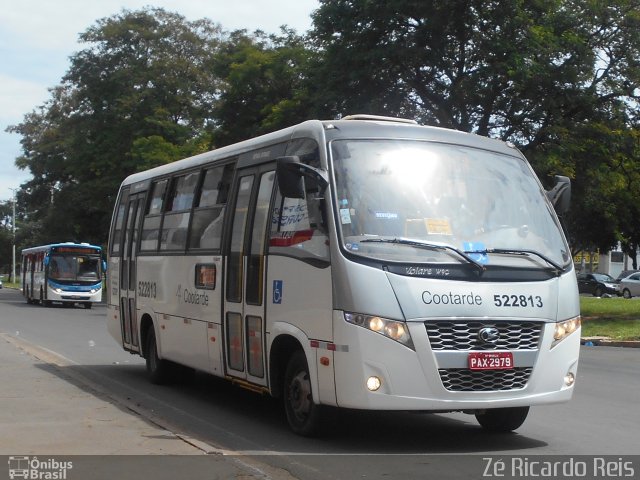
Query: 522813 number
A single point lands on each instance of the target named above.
(516, 301)
(147, 289)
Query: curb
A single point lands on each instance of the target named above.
(607, 342)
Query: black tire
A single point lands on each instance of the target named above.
(88, 305)
(159, 370)
(303, 415)
(502, 420)
(598, 292)
(626, 293)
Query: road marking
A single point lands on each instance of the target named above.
(41, 353)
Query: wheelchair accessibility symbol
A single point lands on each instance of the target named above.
(277, 291)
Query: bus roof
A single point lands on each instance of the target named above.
(352, 127)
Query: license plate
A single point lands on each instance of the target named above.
(490, 360)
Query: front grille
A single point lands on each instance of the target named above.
(463, 335)
(465, 380)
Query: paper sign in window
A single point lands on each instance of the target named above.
(438, 226)
(206, 276)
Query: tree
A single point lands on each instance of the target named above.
(543, 75)
(264, 78)
(6, 237)
(141, 94)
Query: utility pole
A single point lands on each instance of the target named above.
(13, 224)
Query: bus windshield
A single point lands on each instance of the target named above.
(74, 268)
(412, 201)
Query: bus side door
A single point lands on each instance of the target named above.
(244, 319)
(128, 311)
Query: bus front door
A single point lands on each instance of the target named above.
(244, 319)
(128, 312)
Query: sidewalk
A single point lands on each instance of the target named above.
(46, 411)
(44, 414)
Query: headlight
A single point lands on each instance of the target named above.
(564, 329)
(57, 290)
(392, 329)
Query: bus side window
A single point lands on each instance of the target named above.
(208, 215)
(178, 212)
(151, 225)
(298, 225)
(116, 238)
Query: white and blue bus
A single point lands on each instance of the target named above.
(366, 263)
(66, 273)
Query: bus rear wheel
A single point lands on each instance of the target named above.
(302, 414)
(158, 369)
(502, 420)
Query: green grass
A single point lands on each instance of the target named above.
(616, 318)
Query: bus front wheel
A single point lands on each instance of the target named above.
(502, 420)
(157, 368)
(302, 414)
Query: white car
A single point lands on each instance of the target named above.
(630, 285)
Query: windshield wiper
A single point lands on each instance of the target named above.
(430, 246)
(524, 253)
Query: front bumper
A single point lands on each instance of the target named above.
(421, 379)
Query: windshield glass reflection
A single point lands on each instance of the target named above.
(469, 199)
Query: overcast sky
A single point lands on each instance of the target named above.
(37, 37)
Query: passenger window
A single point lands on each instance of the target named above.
(153, 216)
(178, 212)
(116, 237)
(157, 194)
(208, 216)
(181, 192)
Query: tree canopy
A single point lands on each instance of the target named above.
(140, 95)
(559, 78)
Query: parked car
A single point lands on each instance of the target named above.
(0, 283)
(625, 274)
(630, 285)
(597, 284)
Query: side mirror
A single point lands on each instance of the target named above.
(289, 172)
(104, 266)
(46, 261)
(289, 177)
(560, 194)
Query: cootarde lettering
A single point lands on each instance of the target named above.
(195, 298)
(451, 298)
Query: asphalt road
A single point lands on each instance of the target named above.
(602, 418)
